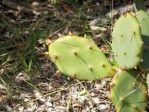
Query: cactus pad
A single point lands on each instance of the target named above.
(127, 42)
(147, 80)
(128, 92)
(145, 59)
(80, 58)
(139, 5)
(143, 20)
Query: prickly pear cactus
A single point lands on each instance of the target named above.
(147, 80)
(80, 58)
(143, 20)
(145, 58)
(138, 5)
(128, 93)
(127, 42)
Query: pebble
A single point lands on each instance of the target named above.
(20, 109)
(26, 100)
(103, 83)
(49, 110)
(34, 4)
(49, 104)
(82, 99)
(75, 95)
(96, 100)
(61, 107)
(42, 100)
(103, 107)
(107, 93)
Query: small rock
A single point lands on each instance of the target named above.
(21, 109)
(97, 28)
(49, 110)
(61, 107)
(103, 107)
(82, 99)
(96, 100)
(103, 83)
(75, 95)
(34, 4)
(26, 100)
(107, 93)
(49, 104)
(1, 71)
(42, 100)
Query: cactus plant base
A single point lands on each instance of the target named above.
(128, 93)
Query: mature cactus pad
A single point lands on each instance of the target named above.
(80, 58)
(128, 93)
(127, 42)
(143, 20)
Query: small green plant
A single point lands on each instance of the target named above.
(81, 58)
